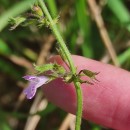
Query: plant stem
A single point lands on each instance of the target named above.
(70, 61)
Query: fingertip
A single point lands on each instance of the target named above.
(105, 103)
(56, 59)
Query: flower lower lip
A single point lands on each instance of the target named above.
(34, 84)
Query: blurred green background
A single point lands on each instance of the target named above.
(84, 35)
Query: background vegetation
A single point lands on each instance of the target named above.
(82, 26)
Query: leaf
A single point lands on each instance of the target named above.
(16, 21)
(44, 68)
(50, 67)
(84, 24)
(14, 11)
(123, 57)
(52, 7)
(89, 73)
(120, 11)
(4, 48)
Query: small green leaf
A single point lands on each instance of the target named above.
(57, 69)
(16, 21)
(89, 73)
(44, 68)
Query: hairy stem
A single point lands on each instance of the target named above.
(70, 61)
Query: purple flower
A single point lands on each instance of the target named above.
(35, 82)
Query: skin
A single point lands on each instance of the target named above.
(107, 102)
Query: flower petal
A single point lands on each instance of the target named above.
(35, 82)
(41, 80)
(29, 77)
(30, 91)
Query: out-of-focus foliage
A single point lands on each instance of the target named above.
(20, 48)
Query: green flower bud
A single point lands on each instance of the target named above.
(37, 10)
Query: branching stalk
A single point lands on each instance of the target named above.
(67, 54)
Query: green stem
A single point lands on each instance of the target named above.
(70, 61)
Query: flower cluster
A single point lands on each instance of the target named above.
(56, 71)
